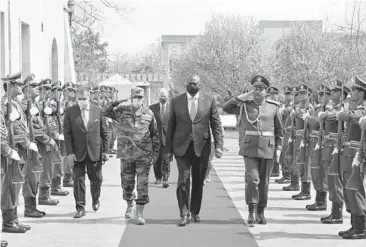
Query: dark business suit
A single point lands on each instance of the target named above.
(87, 143)
(162, 165)
(190, 142)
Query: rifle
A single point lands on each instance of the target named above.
(32, 156)
(316, 161)
(17, 176)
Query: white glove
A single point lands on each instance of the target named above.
(305, 115)
(52, 143)
(62, 110)
(33, 111)
(289, 140)
(278, 155)
(14, 115)
(109, 120)
(362, 120)
(33, 147)
(302, 144)
(14, 155)
(61, 137)
(316, 146)
(355, 161)
(335, 151)
(47, 110)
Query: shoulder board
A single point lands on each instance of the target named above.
(273, 102)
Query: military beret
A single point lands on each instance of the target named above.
(287, 89)
(260, 81)
(68, 86)
(322, 88)
(272, 90)
(46, 83)
(137, 91)
(359, 84)
(56, 85)
(304, 88)
(338, 87)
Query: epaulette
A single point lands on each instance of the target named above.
(273, 102)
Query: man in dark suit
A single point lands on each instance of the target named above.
(161, 113)
(189, 139)
(86, 137)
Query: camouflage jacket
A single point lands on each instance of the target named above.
(137, 132)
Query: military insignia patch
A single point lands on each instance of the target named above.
(259, 79)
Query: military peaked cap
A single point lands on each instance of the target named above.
(272, 90)
(56, 85)
(46, 83)
(322, 88)
(304, 88)
(68, 86)
(338, 87)
(287, 89)
(137, 91)
(13, 78)
(359, 84)
(260, 81)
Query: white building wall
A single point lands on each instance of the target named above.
(36, 13)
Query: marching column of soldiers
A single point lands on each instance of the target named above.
(33, 155)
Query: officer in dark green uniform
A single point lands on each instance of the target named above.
(285, 111)
(18, 131)
(273, 95)
(331, 136)
(262, 140)
(350, 148)
(32, 173)
(138, 148)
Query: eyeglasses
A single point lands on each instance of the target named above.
(137, 97)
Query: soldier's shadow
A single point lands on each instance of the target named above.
(115, 220)
(281, 234)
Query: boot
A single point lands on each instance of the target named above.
(341, 233)
(44, 197)
(4, 243)
(15, 217)
(305, 192)
(9, 224)
(359, 231)
(252, 213)
(260, 216)
(139, 214)
(336, 216)
(129, 210)
(320, 202)
(68, 182)
(294, 186)
(276, 170)
(30, 209)
(56, 188)
(284, 180)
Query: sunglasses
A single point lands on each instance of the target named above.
(137, 97)
(288, 93)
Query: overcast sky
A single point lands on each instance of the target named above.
(151, 19)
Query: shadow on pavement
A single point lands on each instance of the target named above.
(116, 220)
(274, 235)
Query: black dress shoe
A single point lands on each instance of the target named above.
(79, 214)
(4, 243)
(96, 206)
(183, 221)
(195, 218)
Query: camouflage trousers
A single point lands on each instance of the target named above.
(130, 170)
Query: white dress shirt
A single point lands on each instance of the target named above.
(190, 101)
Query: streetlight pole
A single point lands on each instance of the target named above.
(70, 6)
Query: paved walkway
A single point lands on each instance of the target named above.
(222, 217)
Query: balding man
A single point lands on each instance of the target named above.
(161, 113)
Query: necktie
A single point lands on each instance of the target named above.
(83, 115)
(162, 112)
(193, 110)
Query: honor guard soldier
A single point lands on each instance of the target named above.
(351, 146)
(52, 155)
(33, 166)
(319, 169)
(67, 102)
(138, 148)
(285, 111)
(95, 98)
(262, 140)
(17, 139)
(333, 137)
(56, 126)
(301, 163)
(273, 95)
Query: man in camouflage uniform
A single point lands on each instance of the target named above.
(17, 126)
(35, 123)
(138, 148)
(52, 156)
(285, 111)
(351, 146)
(57, 128)
(67, 102)
(262, 141)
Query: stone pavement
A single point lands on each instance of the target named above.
(289, 223)
(222, 217)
